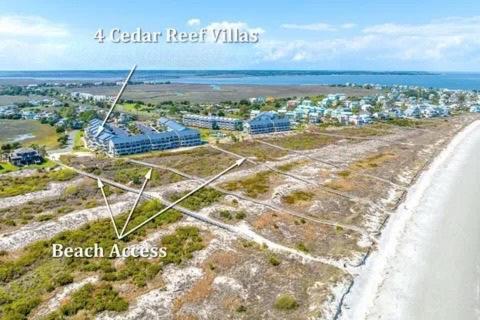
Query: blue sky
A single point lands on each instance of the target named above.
(338, 34)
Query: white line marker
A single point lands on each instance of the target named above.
(101, 186)
(148, 176)
(124, 85)
(236, 164)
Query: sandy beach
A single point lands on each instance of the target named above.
(427, 265)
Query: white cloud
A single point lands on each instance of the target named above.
(27, 41)
(444, 43)
(22, 54)
(348, 25)
(311, 27)
(445, 27)
(238, 25)
(30, 26)
(243, 26)
(321, 50)
(193, 22)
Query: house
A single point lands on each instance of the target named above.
(25, 156)
(212, 122)
(360, 120)
(291, 104)
(475, 108)
(267, 122)
(28, 115)
(413, 112)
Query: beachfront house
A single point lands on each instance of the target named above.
(25, 156)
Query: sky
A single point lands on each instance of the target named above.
(300, 35)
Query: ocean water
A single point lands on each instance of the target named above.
(450, 80)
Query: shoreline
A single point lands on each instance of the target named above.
(359, 300)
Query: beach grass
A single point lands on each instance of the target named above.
(14, 186)
(6, 167)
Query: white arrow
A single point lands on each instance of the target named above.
(236, 164)
(101, 185)
(124, 85)
(148, 176)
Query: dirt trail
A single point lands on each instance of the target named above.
(45, 230)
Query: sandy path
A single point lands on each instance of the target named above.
(44, 230)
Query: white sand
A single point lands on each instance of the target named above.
(428, 262)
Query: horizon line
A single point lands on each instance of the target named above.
(253, 69)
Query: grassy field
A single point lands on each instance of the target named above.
(204, 93)
(32, 131)
(254, 186)
(14, 186)
(303, 141)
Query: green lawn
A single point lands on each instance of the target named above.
(28, 132)
(142, 110)
(78, 144)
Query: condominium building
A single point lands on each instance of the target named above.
(116, 141)
(212, 122)
(267, 122)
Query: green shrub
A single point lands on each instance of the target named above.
(241, 308)
(302, 247)
(286, 302)
(20, 308)
(182, 244)
(4, 297)
(94, 298)
(63, 279)
(225, 214)
(44, 217)
(14, 186)
(200, 199)
(240, 215)
(297, 196)
(273, 259)
(344, 173)
(253, 186)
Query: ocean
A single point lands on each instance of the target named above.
(449, 80)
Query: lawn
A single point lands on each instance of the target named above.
(28, 132)
(142, 110)
(78, 144)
